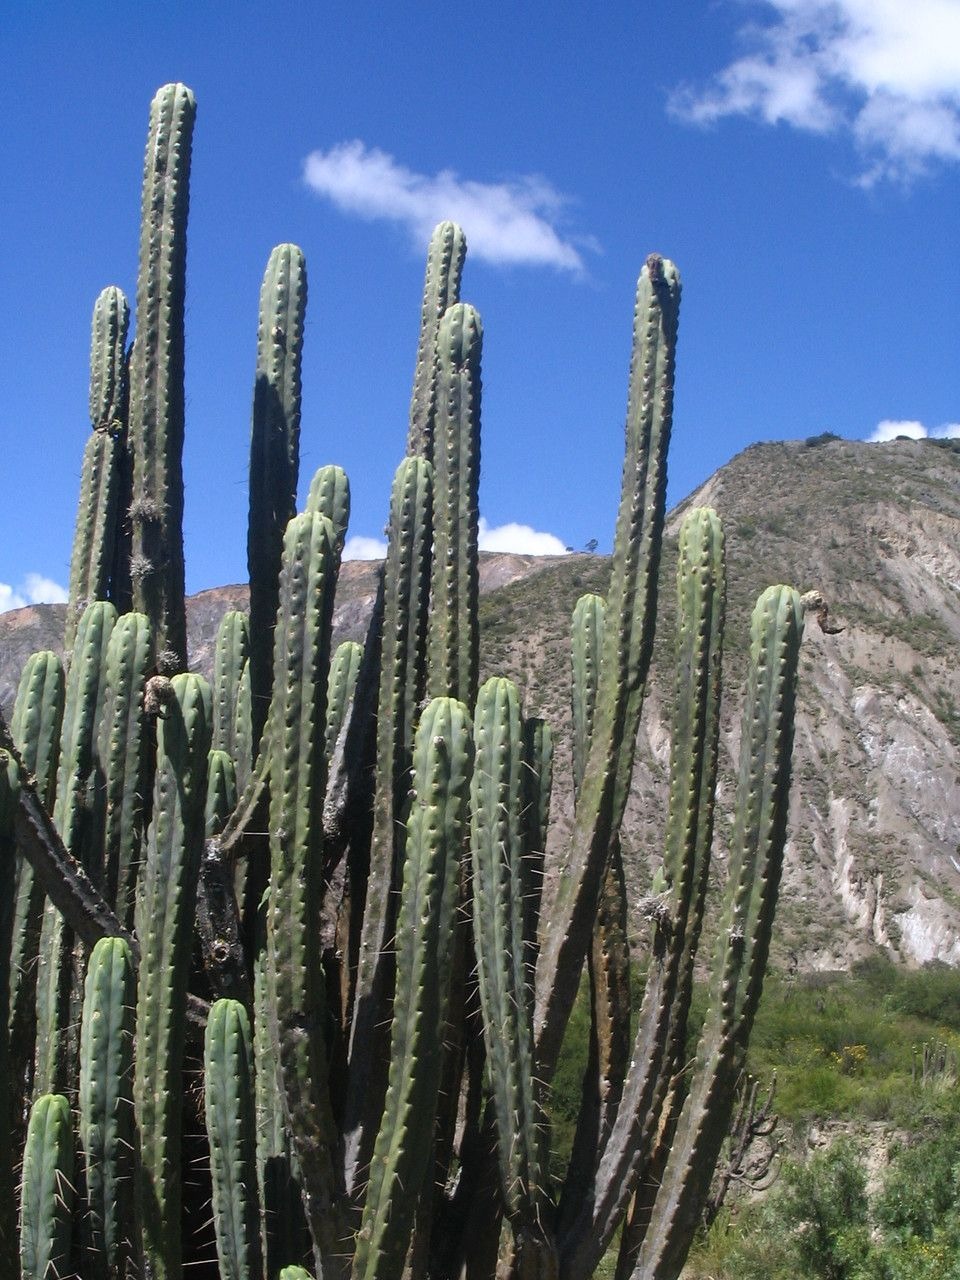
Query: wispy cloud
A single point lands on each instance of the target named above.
(510, 222)
(890, 428)
(885, 72)
(34, 589)
(520, 539)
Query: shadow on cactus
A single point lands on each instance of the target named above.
(329, 865)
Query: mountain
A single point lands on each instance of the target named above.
(873, 857)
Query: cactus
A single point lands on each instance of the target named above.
(106, 1106)
(454, 631)
(424, 947)
(37, 721)
(47, 1198)
(228, 1093)
(500, 889)
(274, 454)
(92, 562)
(373, 1097)
(156, 377)
(166, 895)
(441, 290)
(58, 996)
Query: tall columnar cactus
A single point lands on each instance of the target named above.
(58, 995)
(9, 801)
(94, 545)
(454, 630)
(166, 897)
(121, 778)
(37, 720)
(106, 1107)
(441, 290)
(389, 1127)
(46, 1205)
(406, 578)
(628, 643)
(298, 766)
(274, 454)
(228, 1097)
(424, 949)
(501, 884)
(156, 376)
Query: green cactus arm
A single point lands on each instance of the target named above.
(122, 749)
(536, 785)
(344, 673)
(589, 615)
(406, 586)
(230, 658)
(498, 890)
(108, 341)
(330, 496)
(93, 542)
(294, 1273)
(627, 644)
(156, 377)
(608, 959)
(454, 638)
(424, 944)
(46, 1207)
(231, 1127)
(441, 289)
(625, 1145)
(35, 728)
(56, 1022)
(744, 936)
(166, 898)
(284, 1233)
(297, 719)
(221, 791)
(9, 799)
(274, 453)
(105, 1126)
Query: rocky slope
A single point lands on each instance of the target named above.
(874, 852)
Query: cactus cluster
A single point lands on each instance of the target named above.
(276, 946)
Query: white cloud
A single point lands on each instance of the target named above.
(358, 547)
(505, 222)
(890, 428)
(520, 539)
(884, 71)
(34, 589)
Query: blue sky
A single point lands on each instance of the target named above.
(799, 161)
